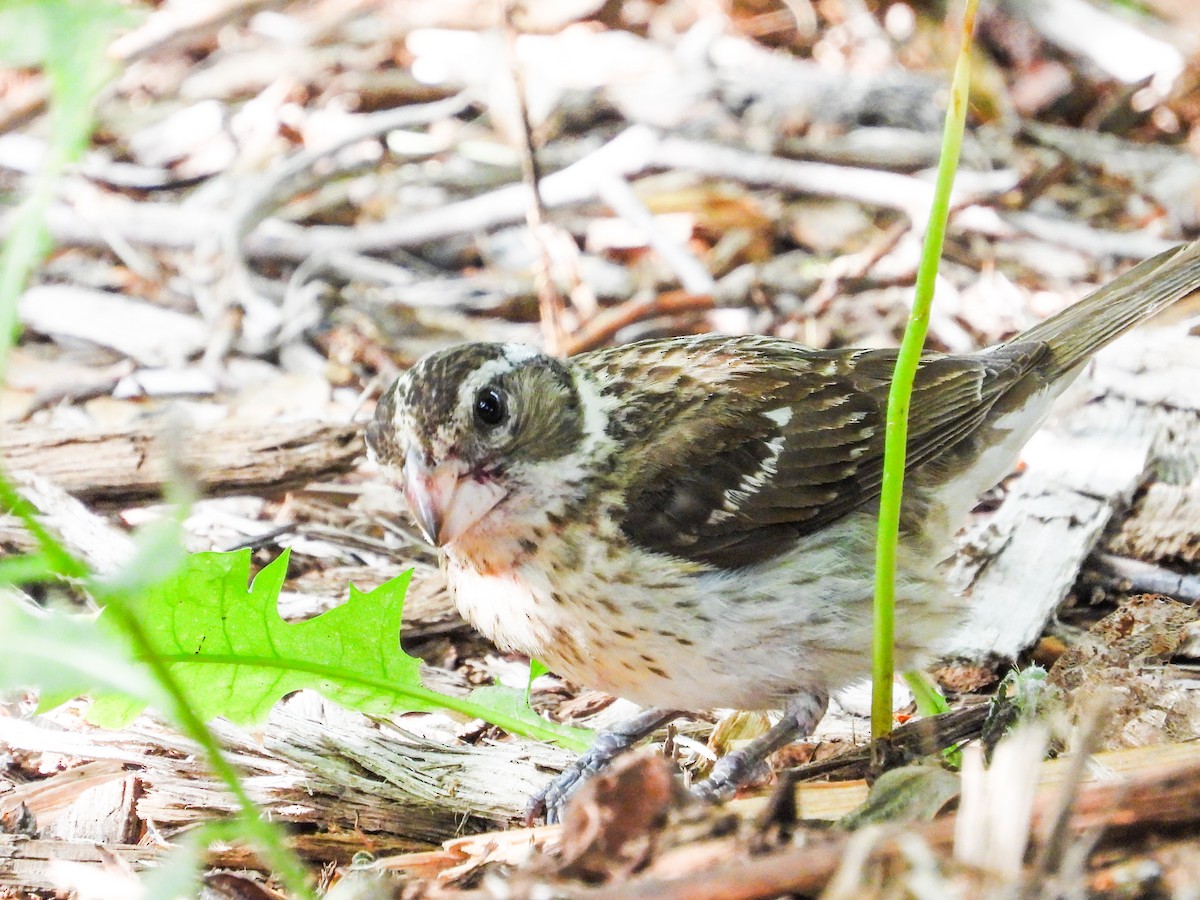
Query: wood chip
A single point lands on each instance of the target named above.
(1165, 527)
(223, 459)
(149, 334)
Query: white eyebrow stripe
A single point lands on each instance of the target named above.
(514, 356)
(519, 353)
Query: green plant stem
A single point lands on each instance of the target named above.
(20, 255)
(899, 397)
(58, 558)
(282, 860)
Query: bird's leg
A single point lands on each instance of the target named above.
(609, 744)
(800, 718)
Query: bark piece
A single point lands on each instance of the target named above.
(105, 813)
(83, 533)
(1019, 567)
(317, 764)
(1166, 526)
(29, 864)
(610, 825)
(1133, 413)
(227, 458)
(150, 334)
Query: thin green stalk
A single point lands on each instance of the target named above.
(18, 259)
(283, 861)
(58, 558)
(887, 537)
(76, 68)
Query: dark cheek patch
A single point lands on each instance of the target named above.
(551, 424)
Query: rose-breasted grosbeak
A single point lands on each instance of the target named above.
(690, 523)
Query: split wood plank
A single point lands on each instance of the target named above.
(1019, 567)
(318, 764)
(227, 458)
(1111, 432)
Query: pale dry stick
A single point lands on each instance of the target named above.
(636, 150)
(1170, 176)
(853, 265)
(870, 187)
(163, 225)
(607, 323)
(177, 25)
(258, 297)
(993, 827)
(1058, 832)
(1135, 576)
(1113, 43)
(551, 307)
(693, 276)
(1092, 241)
(295, 175)
(88, 536)
(170, 26)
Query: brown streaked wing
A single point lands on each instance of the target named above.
(725, 484)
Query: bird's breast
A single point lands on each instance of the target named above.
(501, 603)
(640, 632)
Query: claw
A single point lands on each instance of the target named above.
(732, 770)
(552, 799)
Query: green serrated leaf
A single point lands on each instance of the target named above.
(236, 657)
(233, 655)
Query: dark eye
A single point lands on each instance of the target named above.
(491, 409)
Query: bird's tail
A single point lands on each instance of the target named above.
(1104, 315)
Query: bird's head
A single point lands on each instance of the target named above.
(478, 433)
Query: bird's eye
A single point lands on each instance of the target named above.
(491, 409)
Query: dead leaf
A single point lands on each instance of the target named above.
(610, 825)
(1151, 702)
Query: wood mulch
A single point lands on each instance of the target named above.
(286, 204)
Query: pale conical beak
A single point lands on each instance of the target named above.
(446, 500)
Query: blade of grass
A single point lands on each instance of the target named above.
(68, 37)
(284, 863)
(56, 557)
(887, 537)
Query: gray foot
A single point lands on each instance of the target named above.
(608, 745)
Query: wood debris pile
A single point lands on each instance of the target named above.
(286, 204)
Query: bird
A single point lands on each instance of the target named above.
(689, 523)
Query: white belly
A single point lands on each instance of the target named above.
(710, 639)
